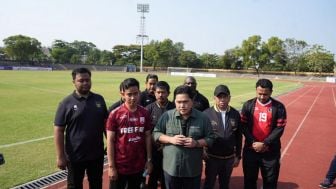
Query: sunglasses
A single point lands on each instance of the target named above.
(190, 83)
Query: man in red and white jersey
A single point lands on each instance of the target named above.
(129, 139)
(263, 121)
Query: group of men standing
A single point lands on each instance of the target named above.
(169, 140)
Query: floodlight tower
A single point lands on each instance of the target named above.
(142, 8)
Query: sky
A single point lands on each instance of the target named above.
(211, 26)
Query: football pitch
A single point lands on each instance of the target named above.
(28, 101)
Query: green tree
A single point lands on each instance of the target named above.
(87, 52)
(126, 54)
(230, 59)
(169, 53)
(273, 54)
(106, 58)
(164, 54)
(120, 53)
(62, 52)
(93, 56)
(151, 53)
(251, 51)
(134, 55)
(83, 47)
(210, 60)
(3, 55)
(76, 59)
(22, 48)
(295, 51)
(320, 60)
(189, 59)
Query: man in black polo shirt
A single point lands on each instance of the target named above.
(147, 96)
(156, 109)
(200, 102)
(78, 132)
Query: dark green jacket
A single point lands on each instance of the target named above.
(180, 161)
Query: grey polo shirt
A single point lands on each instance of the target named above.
(180, 161)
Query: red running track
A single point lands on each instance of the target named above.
(308, 143)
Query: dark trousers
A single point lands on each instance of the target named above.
(182, 182)
(157, 172)
(94, 172)
(132, 181)
(331, 175)
(267, 162)
(221, 167)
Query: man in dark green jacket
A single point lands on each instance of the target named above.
(184, 131)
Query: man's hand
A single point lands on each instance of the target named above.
(61, 162)
(259, 147)
(177, 140)
(236, 162)
(112, 173)
(190, 143)
(149, 167)
(205, 154)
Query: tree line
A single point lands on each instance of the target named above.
(273, 54)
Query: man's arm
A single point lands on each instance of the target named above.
(149, 144)
(239, 141)
(280, 121)
(112, 170)
(59, 143)
(239, 137)
(176, 140)
(244, 123)
(149, 139)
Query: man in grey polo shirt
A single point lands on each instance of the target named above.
(184, 131)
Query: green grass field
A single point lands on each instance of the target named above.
(28, 101)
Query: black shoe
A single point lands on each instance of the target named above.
(326, 184)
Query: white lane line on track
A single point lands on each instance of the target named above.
(297, 98)
(301, 125)
(25, 142)
(333, 92)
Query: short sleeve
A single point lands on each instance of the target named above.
(60, 117)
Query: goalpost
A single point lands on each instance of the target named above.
(178, 70)
(182, 71)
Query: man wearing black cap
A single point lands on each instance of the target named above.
(225, 153)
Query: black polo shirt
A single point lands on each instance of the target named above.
(156, 111)
(84, 122)
(146, 98)
(200, 102)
